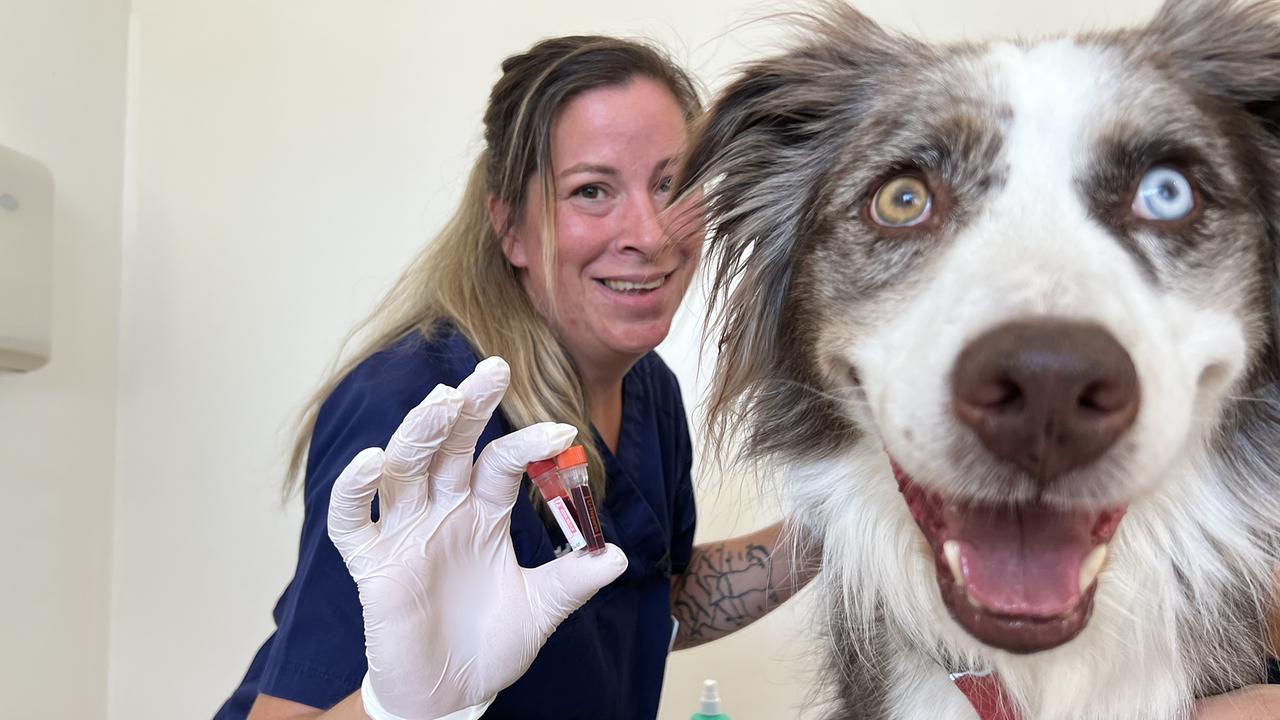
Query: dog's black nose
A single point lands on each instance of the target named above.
(1047, 395)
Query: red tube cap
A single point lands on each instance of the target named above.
(540, 467)
(576, 455)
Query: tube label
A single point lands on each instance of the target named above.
(564, 518)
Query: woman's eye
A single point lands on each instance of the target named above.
(590, 192)
(1164, 194)
(903, 201)
(664, 185)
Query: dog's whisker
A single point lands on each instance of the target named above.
(1272, 401)
(843, 395)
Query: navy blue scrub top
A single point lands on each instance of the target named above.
(607, 659)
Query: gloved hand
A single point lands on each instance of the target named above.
(450, 618)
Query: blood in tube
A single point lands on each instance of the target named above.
(572, 465)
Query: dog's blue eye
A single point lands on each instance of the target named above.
(1164, 194)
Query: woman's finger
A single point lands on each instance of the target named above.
(409, 452)
(481, 393)
(350, 526)
(567, 583)
(501, 465)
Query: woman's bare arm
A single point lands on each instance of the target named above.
(732, 583)
(266, 707)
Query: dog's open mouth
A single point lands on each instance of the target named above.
(1016, 577)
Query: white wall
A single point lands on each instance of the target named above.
(284, 160)
(62, 76)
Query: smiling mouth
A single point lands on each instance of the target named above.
(627, 286)
(1019, 577)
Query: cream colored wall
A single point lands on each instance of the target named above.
(284, 160)
(62, 99)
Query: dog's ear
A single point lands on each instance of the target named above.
(1227, 48)
(759, 157)
(1224, 49)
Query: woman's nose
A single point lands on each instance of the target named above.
(645, 232)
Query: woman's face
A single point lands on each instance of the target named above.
(619, 277)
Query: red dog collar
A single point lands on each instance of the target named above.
(986, 695)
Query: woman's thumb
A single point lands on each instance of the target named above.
(566, 583)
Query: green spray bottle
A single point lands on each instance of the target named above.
(710, 709)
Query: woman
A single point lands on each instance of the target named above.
(561, 260)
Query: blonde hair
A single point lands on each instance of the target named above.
(463, 277)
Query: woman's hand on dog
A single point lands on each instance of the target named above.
(1256, 702)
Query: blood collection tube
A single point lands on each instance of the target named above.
(572, 464)
(544, 474)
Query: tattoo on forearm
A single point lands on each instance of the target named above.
(723, 591)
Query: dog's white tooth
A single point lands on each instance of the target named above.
(1092, 566)
(951, 549)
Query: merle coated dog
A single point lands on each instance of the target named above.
(1006, 317)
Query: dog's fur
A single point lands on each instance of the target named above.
(837, 338)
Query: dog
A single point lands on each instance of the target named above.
(1003, 321)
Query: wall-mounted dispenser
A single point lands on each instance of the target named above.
(26, 261)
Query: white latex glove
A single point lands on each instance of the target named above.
(450, 618)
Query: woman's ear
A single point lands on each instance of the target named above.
(512, 245)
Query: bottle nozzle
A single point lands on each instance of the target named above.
(710, 698)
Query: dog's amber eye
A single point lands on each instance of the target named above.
(902, 202)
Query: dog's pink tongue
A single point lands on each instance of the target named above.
(1022, 561)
